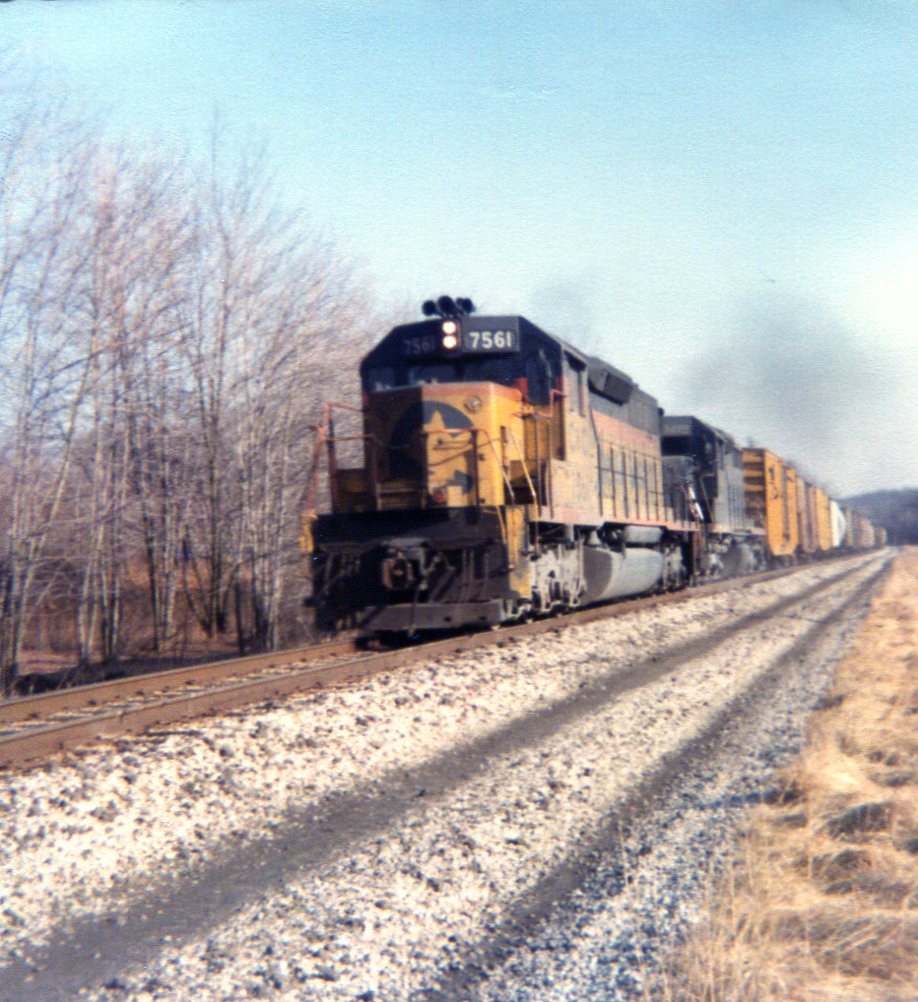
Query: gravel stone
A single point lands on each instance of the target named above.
(530, 821)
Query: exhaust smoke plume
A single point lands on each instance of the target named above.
(791, 378)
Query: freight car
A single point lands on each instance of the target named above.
(771, 501)
(506, 474)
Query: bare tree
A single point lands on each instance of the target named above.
(136, 233)
(270, 321)
(144, 311)
(308, 325)
(49, 360)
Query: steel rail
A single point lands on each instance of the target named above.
(60, 700)
(38, 742)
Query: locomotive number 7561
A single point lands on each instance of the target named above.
(500, 340)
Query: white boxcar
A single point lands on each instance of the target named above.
(838, 525)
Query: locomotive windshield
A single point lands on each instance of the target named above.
(486, 369)
(531, 374)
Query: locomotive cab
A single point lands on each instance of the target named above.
(443, 412)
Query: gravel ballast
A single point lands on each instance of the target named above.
(394, 840)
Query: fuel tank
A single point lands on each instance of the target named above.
(612, 574)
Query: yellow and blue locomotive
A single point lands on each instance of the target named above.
(505, 475)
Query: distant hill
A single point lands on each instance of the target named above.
(897, 510)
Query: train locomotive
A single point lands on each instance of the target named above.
(506, 475)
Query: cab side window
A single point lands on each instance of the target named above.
(538, 379)
(577, 389)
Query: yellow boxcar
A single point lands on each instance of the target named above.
(771, 500)
(823, 517)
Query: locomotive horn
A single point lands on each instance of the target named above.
(446, 306)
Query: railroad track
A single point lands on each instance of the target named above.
(34, 727)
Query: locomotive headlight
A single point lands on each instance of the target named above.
(450, 335)
(473, 404)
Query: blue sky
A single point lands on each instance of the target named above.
(720, 198)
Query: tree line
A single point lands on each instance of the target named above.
(168, 331)
(896, 510)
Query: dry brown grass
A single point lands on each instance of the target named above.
(821, 902)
